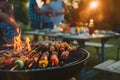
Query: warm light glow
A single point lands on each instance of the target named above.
(91, 23)
(91, 20)
(18, 42)
(94, 4)
(47, 1)
(28, 43)
(75, 4)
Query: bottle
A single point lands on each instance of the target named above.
(78, 27)
(91, 26)
(67, 29)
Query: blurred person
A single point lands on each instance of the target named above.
(47, 19)
(35, 16)
(9, 32)
(59, 9)
(4, 17)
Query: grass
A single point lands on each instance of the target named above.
(93, 59)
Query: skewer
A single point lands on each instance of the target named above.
(33, 50)
(35, 59)
(43, 62)
(30, 65)
(13, 68)
(65, 55)
(54, 59)
(7, 62)
(18, 64)
(2, 51)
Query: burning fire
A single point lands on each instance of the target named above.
(28, 43)
(18, 44)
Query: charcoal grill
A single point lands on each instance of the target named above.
(73, 66)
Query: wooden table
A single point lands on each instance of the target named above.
(81, 39)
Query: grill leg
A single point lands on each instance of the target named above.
(83, 74)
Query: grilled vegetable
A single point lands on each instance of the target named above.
(54, 59)
(19, 64)
(43, 62)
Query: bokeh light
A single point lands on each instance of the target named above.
(94, 4)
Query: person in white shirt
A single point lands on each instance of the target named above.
(59, 9)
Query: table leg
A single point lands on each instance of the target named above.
(103, 49)
(102, 52)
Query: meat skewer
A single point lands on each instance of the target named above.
(35, 59)
(54, 59)
(64, 55)
(43, 62)
(9, 61)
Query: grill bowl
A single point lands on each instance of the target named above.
(51, 73)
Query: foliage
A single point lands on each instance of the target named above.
(21, 11)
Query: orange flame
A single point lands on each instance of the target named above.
(28, 43)
(18, 42)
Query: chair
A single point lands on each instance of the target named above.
(110, 67)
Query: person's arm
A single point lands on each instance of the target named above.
(6, 18)
(13, 21)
